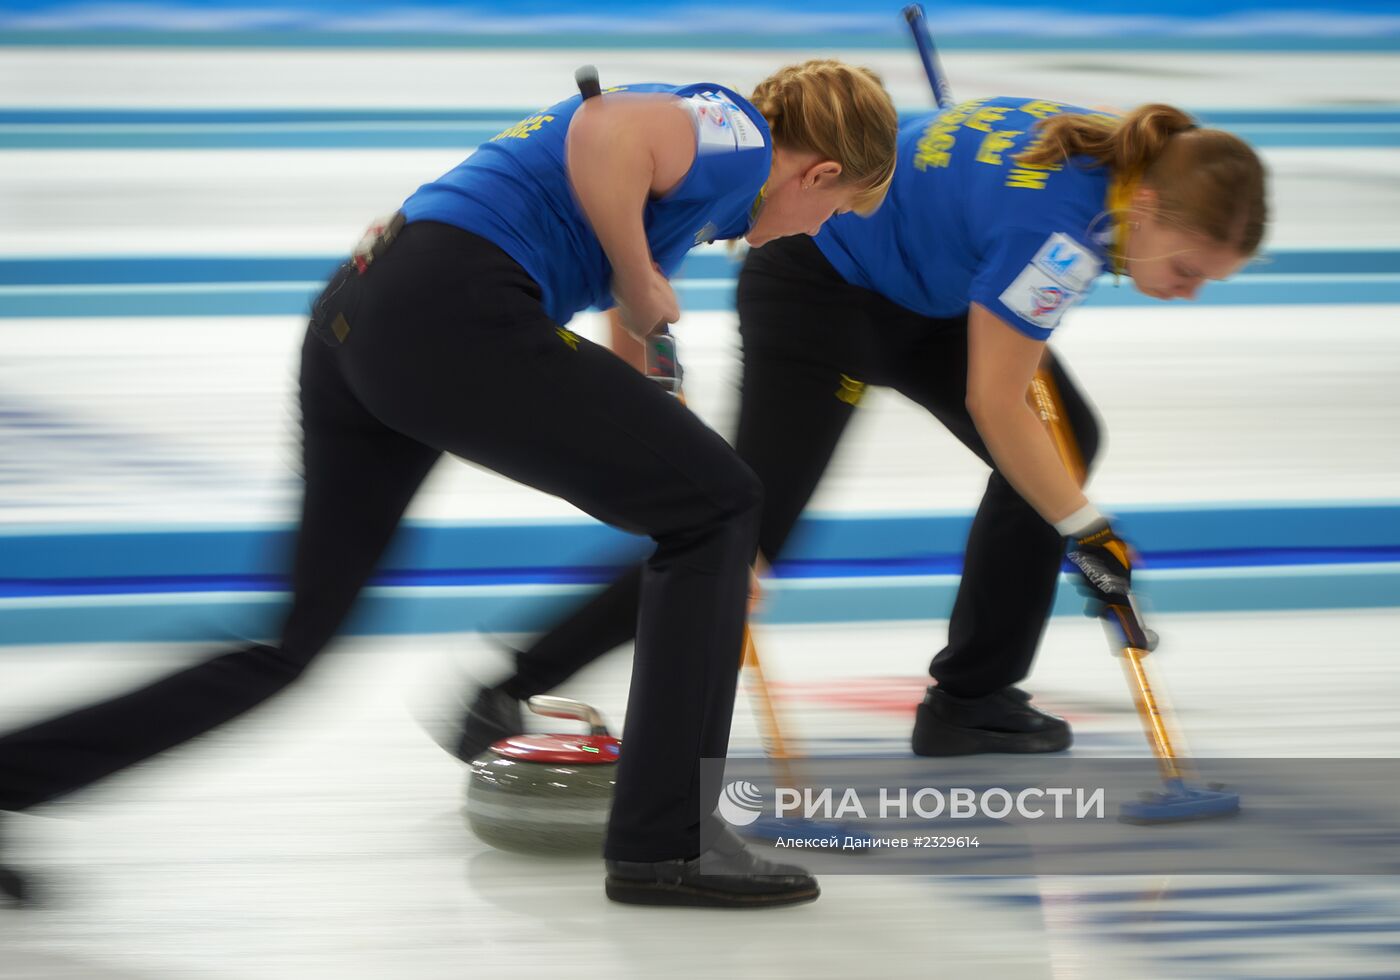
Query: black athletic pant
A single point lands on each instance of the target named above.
(811, 340)
(450, 350)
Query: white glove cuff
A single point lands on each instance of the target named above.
(1080, 521)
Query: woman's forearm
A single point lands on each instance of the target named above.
(1026, 456)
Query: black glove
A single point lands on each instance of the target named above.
(1105, 566)
(1104, 562)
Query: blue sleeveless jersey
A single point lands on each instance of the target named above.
(965, 223)
(515, 191)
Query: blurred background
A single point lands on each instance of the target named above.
(177, 179)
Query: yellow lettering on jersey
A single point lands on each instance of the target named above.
(1041, 109)
(994, 144)
(983, 118)
(938, 140)
(523, 129)
(1031, 176)
(1027, 179)
(928, 156)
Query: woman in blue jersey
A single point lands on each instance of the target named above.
(447, 334)
(1002, 215)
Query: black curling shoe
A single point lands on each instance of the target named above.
(494, 715)
(1004, 721)
(727, 876)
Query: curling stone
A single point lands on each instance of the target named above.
(546, 794)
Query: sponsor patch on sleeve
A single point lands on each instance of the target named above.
(1038, 298)
(1067, 262)
(721, 125)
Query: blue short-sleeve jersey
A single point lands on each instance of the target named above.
(515, 191)
(966, 223)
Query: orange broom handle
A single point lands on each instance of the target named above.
(768, 716)
(1044, 399)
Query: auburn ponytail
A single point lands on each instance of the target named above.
(1126, 145)
(1206, 180)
